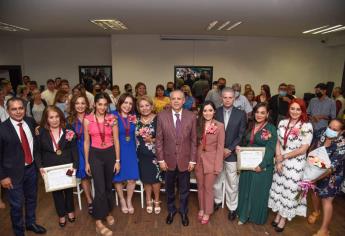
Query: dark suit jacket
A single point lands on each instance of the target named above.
(48, 156)
(12, 159)
(235, 130)
(176, 151)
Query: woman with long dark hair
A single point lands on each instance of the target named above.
(211, 138)
(265, 94)
(255, 184)
(58, 147)
(102, 159)
(129, 172)
(79, 108)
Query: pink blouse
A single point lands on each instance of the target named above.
(95, 132)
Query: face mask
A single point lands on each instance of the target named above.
(318, 94)
(293, 92)
(186, 93)
(169, 89)
(237, 94)
(282, 93)
(331, 133)
(221, 86)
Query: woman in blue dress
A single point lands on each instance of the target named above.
(329, 184)
(79, 107)
(129, 171)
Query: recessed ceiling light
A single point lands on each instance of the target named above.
(12, 28)
(109, 24)
(234, 25)
(223, 25)
(335, 30)
(212, 24)
(312, 30)
(327, 29)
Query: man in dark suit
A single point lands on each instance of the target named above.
(176, 152)
(235, 122)
(18, 148)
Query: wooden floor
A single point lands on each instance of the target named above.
(143, 224)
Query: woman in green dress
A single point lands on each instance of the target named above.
(255, 185)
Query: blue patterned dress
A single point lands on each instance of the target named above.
(331, 185)
(129, 169)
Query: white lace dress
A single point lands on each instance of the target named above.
(285, 185)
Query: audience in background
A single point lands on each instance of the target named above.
(23, 93)
(3, 112)
(61, 101)
(339, 101)
(26, 79)
(200, 88)
(169, 89)
(321, 108)
(160, 102)
(265, 94)
(250, 95)
(189, 103)
(128, 88)
(33, 85)
(279, 104)
(49, 94)
(114, 96)
(57, 82)
(96, 89)
(7, 89)
(140, 90)
(241, 102)
(215, 95)
(215, 84)
(291, 90)
(247, 87)
(36, 106)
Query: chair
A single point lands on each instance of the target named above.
(141, 191)
(80, 191)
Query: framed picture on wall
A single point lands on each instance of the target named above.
(198, 78)
(90, 75)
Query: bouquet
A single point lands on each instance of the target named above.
(317, 164)
(144, 132)
(110, 120)
(69, 135)
(211, 129)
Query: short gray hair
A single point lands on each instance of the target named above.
(177, 91)
(228, 90)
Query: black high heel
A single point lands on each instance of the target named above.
(72, 220)
(278, 229)
(274, 224)
(62, 224)
(90, 208)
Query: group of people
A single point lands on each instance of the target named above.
(116, 139)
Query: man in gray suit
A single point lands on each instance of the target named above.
(235, 122)
(176, 152)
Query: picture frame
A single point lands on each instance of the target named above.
(193, 76)
(55, 178)
(248, 158)
(90, 75)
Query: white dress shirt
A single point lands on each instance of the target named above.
(27, 133)
(174, 116)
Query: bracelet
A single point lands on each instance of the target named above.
(117, 160)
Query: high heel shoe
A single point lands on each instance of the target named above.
(102, 230)
(149, 207)
(71, 219)
(274, 224)
(130, 207)
(313, 217)
(90, 208)
(200, 217)
(157, 207)
(110, 220)
(124, 207)
(62, 224)
(205, 221)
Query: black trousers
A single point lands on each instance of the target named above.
(63, 200)
(102, 163)
(23, 193)
(183, 188)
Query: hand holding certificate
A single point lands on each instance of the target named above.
(248, 158)
(59, 177)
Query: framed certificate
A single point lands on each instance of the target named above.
(249, 157)
(55, 178)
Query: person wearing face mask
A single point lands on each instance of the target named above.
(241, 102)
(339, 101)
(169, 89)
(291, 90)
(215, 95)
(321, 109)
(328, 185)
(279, 104)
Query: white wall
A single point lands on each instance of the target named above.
(11, 51)
(60, 57)
(254, 60)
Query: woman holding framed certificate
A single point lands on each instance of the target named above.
(211, 136)
(102, 159)
(255, 184)
(58, 147)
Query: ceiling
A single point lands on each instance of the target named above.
(276, 18)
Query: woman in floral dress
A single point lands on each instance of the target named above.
(149, 170)
(329, 184)
(294, 137)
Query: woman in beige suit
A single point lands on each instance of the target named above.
(211, 137)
